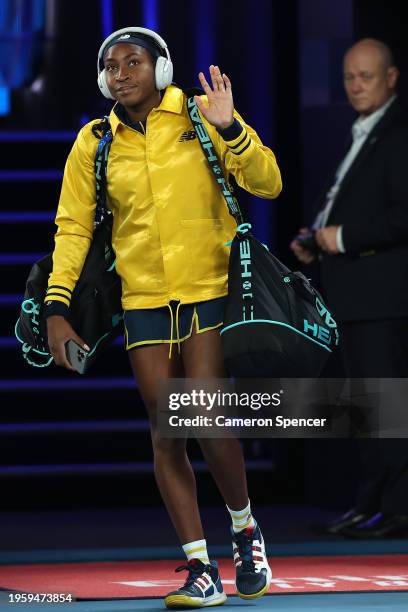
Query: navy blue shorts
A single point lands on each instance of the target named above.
(173, 323)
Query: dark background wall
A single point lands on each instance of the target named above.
(82, 441)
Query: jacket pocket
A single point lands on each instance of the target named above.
(205, 244)
(138, 263)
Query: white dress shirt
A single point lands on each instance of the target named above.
(360, 130)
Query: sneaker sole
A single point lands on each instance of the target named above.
(183, 601)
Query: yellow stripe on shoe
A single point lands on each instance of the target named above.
(202, 589)
(255, 595)
(183, 601)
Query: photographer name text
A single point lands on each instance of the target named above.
(224, 421)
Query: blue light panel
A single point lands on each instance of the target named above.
(7, 299)
(150, 15)
(9, 259)
(37, 136)
(27, 217)
(69, 383)
(30, 175)
(262, 108)
(4, 100)
(204, 39)
(107, 17)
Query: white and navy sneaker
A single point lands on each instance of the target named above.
(253, 574)
(202, 588)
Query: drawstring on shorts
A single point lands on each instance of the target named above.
(172, 329)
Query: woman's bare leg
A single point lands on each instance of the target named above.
(202, 358)
(174, 475)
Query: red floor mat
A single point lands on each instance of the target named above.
(156, 578)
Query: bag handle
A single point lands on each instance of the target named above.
(212, 158)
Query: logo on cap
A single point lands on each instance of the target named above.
(124, 36)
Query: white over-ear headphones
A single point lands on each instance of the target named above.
(164, 65)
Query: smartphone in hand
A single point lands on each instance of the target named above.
(77, 356)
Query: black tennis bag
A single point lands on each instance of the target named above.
(95, 310)
(276, 324)
(31, 329)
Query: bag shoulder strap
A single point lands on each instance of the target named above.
(212, 158)
(101, 164)
(103, 216)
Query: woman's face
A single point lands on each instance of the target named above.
(130, 74)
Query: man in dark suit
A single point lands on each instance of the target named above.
(361, 233)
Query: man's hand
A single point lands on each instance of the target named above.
(302, 254)
(326, 238)
(220, 109)
(59, 332)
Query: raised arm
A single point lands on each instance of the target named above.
(253, 165)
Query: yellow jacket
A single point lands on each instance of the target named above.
(170, 221)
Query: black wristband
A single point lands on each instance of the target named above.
(55, 307)
(232, 132)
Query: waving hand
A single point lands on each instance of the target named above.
(219, 111)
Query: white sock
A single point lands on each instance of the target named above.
(241, 519)
(196, 550)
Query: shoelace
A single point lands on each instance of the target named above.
(193, 574)
(244, 543)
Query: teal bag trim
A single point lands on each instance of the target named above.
(115, 321)
(97, 344)
(26, 348)
(277, 323)
(244, 228)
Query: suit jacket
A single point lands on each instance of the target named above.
(370, 281)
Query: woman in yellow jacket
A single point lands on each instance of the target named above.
(170, 230)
